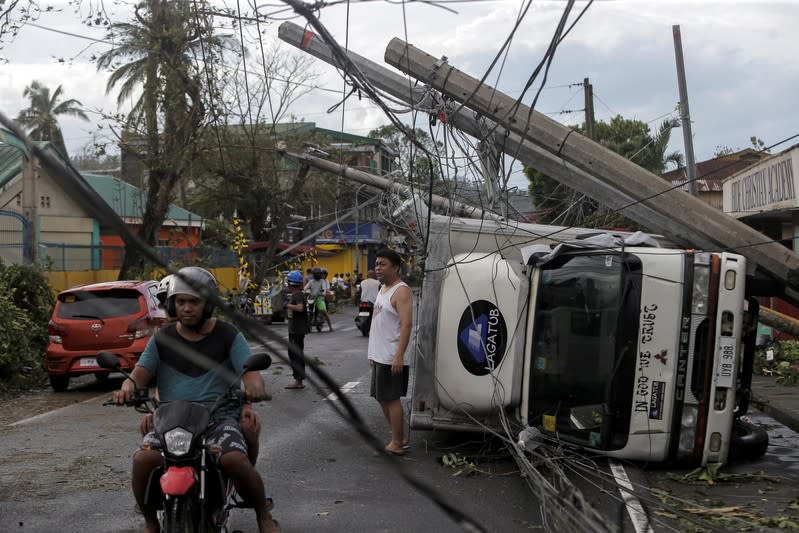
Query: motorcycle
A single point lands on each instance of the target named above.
(364, 319)
(315, 318)
(193, 493)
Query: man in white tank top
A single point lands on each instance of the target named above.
(388, 341)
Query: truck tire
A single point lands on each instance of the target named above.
(59, 383)
(749, 441)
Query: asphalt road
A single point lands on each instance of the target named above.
(67, 460)
(66, 465)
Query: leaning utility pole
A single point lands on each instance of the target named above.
(706, 222)
(452, 207)
(505, 141)
(685, 114)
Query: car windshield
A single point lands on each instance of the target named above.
(93, 305)
(584, 343)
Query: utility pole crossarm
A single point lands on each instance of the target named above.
(706, 222)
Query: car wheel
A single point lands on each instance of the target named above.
(59, 383)
(748, 441)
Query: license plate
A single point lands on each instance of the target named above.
(725, 365)
(88, 361)
(363, 313)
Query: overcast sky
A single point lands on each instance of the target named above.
(739, 58)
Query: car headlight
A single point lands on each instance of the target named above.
(701, 292)
(178, 441)
(688, 430)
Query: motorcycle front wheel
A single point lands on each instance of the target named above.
(180, 516)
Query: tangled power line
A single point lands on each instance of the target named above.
(562, 505)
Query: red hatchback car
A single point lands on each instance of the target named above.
(116, 316)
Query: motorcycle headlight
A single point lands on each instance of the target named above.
(688, 430)
(178, 441)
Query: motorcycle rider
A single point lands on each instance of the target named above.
(368, 294)
(370, 287)
(251, 432)
(179, 355)
(317, 288)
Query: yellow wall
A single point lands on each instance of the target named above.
(343, 261)
(59, 281)
(227, 278)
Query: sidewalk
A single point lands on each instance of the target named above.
(780, 402)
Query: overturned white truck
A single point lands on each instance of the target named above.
(629, 350)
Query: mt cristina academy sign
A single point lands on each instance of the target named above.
(767, 186)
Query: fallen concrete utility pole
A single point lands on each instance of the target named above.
(704, 222)
(510, 143)
(786, 324)
(452, 207)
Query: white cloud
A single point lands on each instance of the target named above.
(739, 61)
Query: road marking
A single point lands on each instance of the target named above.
(634, 508)
(54, 411)
(347, 387)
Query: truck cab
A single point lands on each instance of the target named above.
(633, 352)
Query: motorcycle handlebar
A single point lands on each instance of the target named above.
(141, 399)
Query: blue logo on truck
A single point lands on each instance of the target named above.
(482, 337)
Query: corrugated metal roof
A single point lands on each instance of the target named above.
(711, 173)
(128, 200)
(10, 163)
(702, 185)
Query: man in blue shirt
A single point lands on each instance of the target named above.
(186, 358)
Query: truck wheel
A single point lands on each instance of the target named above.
(59, 383)
(749, 441)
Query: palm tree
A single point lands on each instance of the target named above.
(661, 141)
(163, 43)
(159, 51)
(41, 117)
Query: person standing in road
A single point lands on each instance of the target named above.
(298, 326)
(388, 341)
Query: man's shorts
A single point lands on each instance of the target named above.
(222, 437)
(386, 386)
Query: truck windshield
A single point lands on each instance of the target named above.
(584, 347)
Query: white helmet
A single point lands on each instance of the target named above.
(163, 288)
